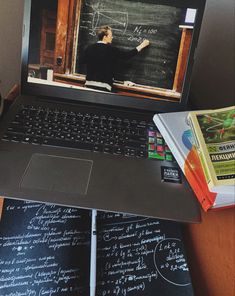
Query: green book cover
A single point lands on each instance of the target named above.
(214, 131)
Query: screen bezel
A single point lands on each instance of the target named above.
(111, 99)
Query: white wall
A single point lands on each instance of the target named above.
(213, 75)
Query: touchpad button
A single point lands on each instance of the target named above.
(56, 173)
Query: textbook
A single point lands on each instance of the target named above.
(51, 250)
(179, 138)
(214, 134)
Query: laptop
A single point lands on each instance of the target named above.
(66, 144)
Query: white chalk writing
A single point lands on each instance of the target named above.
(127, 252)
(37, 253)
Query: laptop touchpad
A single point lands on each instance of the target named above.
(56, 173)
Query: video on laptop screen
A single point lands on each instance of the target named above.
(137, 49)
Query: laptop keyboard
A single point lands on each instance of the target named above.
(99, 133)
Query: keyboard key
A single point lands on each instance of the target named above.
(16, 138)
(98, 148)
(130, 152)
(108, 149)
(68, 144)
(151, 140)
(169, 156)
(118, 150)
(26, 140)
(7, 137)
(17, 129)
(37, 141)
(141, 153)
(160, 141)
(151, 147)
(151, 133)
(135, 138)
(160, 148)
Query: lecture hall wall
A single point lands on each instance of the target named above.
(213, 76)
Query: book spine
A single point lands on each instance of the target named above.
(198, 145)
(198, 182)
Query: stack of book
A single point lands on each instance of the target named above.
(203, 144)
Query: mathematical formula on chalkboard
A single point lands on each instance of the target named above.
(131, 23)
(45, 250)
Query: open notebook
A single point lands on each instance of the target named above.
(46, 250)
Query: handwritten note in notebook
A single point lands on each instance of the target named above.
(140, 256)
(44, 250)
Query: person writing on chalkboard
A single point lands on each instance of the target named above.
(101, 57)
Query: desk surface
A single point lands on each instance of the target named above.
(211, 253)
(1, 205)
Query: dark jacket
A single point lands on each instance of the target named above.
(101, 58)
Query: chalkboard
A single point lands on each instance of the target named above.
(44, 250)
(139, 256)
(132, 22)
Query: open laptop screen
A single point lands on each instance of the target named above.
(57, 34)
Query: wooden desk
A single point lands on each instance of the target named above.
(1, 205)
(211, 253)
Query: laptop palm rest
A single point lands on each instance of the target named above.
(55, 173)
